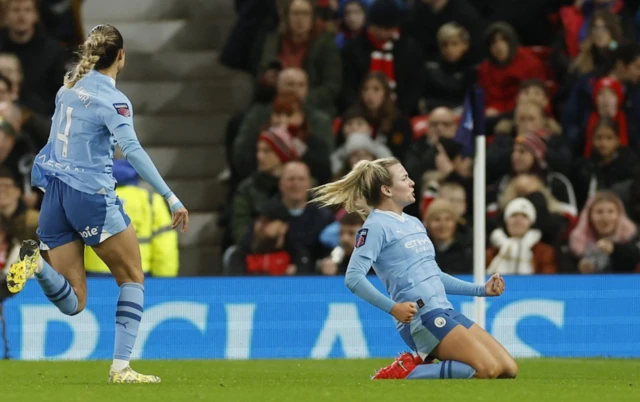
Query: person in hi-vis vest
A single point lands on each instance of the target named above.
(151, 220)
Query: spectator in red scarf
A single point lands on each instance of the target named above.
(386, 50)
(301, 44)
(506, 67)
(289, 114)
(608, 98)
(579, 106)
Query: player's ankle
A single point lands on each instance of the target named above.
(119, 365)
(39, 266)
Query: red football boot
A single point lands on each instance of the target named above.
(399, 369)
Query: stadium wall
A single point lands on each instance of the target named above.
(317, 317)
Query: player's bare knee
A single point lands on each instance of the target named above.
(130, 276)
(81, 294)
(510, 370)
(488, 370)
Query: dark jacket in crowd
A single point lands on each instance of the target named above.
(457, 257)
(317, 158)
(43, 63)
(559, 156)
(304, 237)
(590, 174)
(424, 26)
(407, 55)
(255, 19)
(446, 84)
(322, 65)
(250, 194)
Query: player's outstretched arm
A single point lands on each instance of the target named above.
(455, 286)
(145, 167)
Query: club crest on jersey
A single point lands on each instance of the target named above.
(122, 109)
(361, 237)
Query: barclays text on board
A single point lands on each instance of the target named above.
(312, 317)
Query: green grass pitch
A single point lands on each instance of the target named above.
(540, 380)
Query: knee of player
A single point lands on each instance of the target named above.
(510, 370)
(82, 303)
(132, 276)
(488, 370)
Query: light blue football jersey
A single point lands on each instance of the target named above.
(80, 148)
(403, 257)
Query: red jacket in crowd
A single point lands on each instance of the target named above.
(501, 83)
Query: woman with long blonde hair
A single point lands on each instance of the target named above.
(396, 245)
(80, 206)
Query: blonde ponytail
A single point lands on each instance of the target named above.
(358, 190)
(90, 53)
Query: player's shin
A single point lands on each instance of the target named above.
(442, 370)
(128, 316)
(56, 288)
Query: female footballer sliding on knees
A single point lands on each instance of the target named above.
(396, 245)
(80, 205)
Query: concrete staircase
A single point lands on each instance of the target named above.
(182, 98)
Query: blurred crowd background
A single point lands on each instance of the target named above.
(338, 81)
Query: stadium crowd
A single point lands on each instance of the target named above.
(339, 81)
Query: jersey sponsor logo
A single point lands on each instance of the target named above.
(439, 322)
(416, 243)
(361, 237)
(122, 109)
(89, 232)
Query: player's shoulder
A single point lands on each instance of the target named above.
(112, 100)
(417, 222)
(374, 226)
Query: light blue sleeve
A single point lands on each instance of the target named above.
(455, 286)
(141, 162)
(117, 113)
(369, 243)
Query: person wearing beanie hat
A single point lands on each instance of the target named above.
(274, 149)
(533, 144)
(280, 142)
(518, 250)
(529, 155)
(454, 253)
(359, 146)
(384, 49)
